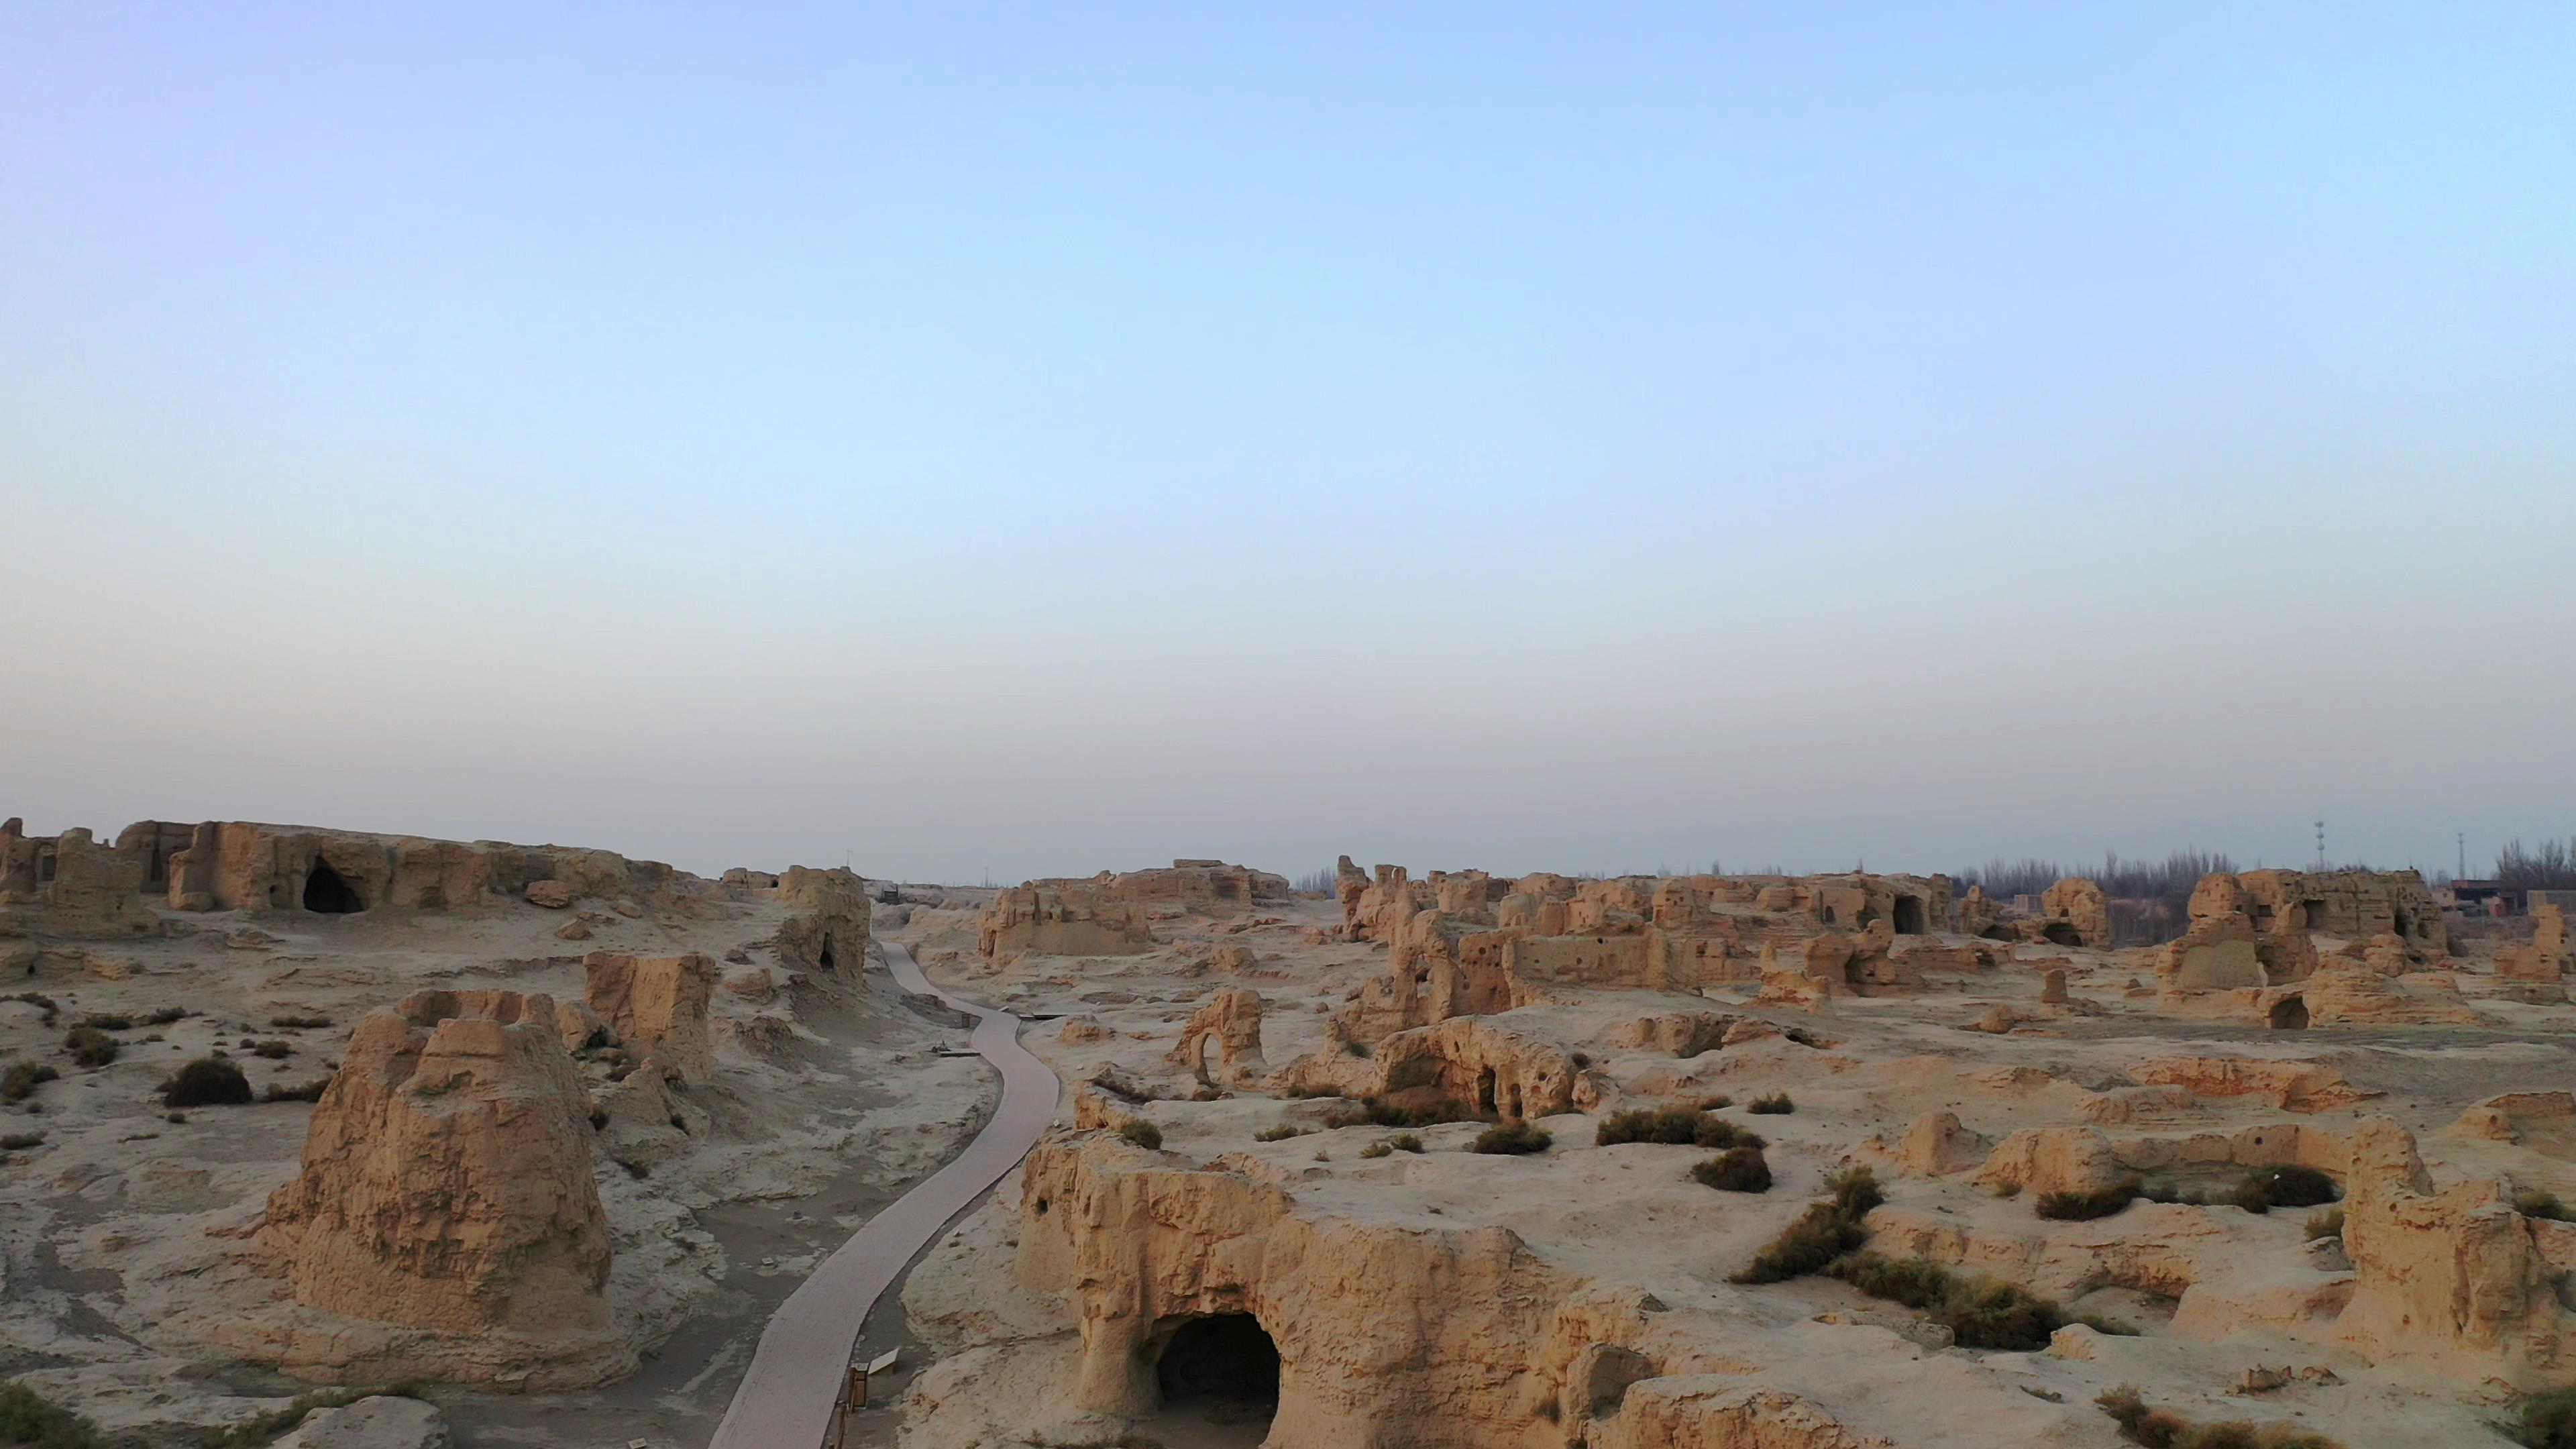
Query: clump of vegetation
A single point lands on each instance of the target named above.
(2531, 1202)
(273, 1050)
(2545, 1421)
(269, 1425)
(1513, 1139)
(2081, 1207)
(308, 1092)
(90, 1047)
(1280, 1133)
(1376, 1149)
(1737, 1169)
(2327, 1224)
(1824, 1232)
(52, 1009)
(1979, 1312)
(2164, 1429)
(298, 1021)
(163, 1016)
(21, 1080)
(1207, 1094)
(107, 1021)
(1405, 1142)
(1678, 1126)
(1355, 1048)
(1775, 1105)
(28, 1418)
(206, 1082)
(1143, 1133)
(2166, 1192)
(2266, 1188)
(1711, 1104)
(1379, 1112)
(21, 1141)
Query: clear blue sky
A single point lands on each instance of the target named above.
(1519, 435)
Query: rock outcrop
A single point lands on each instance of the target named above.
(2074, 912)
(446, 1187)
(831, 933)
(1476, 1062)
(1061, 918)
(657, 1006)
(1231, 1018)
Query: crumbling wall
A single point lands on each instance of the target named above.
(1061, 918)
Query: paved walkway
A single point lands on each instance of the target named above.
(786, 1398)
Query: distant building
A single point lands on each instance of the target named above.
(2488, 897)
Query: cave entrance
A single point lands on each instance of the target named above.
(328, 893)
(1909, 915)
(2061, 933)
(1485, 1090)
(824, 958)
(1222, 1369)
(2290, 1013)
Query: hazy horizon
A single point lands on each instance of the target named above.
(1494, 437)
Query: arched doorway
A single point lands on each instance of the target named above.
(1221, 1370)
(2290, 1013)
(1485, 1089)
(328, 893)
(1909, 915)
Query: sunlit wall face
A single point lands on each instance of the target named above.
(1491, 436)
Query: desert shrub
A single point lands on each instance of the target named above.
(1379, 1112)
(1405, 1142)
(273, 1050)
(2533, 1203)
(1979, 1312)
(52, 1009)
(2168, 1193)
(2164, 1429)
(1711, 1104)
(2297, 1186)
(309, 1092)
(1775, 1105)
(107, 1021)
(1377, 1149)
(268, 1426)
(206, 1082)
(1355, 1048)
(1824, 1232)
(2327, 1224)
(21, 1080)
(298, 1021)
(90, 1047)
(1679, 1126)
(1207, 1094)
(1280, 1133)
(2545, 1421)
(1512, 1138)
(1737, 1169)
(30, 1419)
(163, 1016)
(2080, 1207)
(1143, 1133)
(21, 1141)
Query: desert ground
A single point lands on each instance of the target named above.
(1814, 1162)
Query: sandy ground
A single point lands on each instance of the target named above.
(1628, 1214)
(103, 1225)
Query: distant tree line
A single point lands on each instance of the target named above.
(2150, 899)
(2548, 866)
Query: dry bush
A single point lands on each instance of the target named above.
(1737, 1169)
(1143, 1133)
(1516, 1139)
(91, 1047)
(206, 1082)
(1824, 1232)
(2081, 1207)
(1775, 1105)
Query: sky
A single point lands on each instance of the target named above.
(997, 441)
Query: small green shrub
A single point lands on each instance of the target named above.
(91, 1047)
(1711, 1104)
(106, 1021)
(20, 1081)
(1143, 1133)
(2545, 1421)
(1737, 1169)
(298, 1021)
(273, 1050)
(1377, 1149)
(1775, 1105)
(1824, 1232)
(1515, 1139)
(1405, 1142)
(1678, 1126)
(2164, 1429)
(1355, 1048)
(2080, 1207)
(2531, 1202)
(163, 1016)
(1280, 1133)
(206, 1082)
(28, 1418)
(2327, 1224)
(1379, 1112)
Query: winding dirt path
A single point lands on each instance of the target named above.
(786, 1398)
